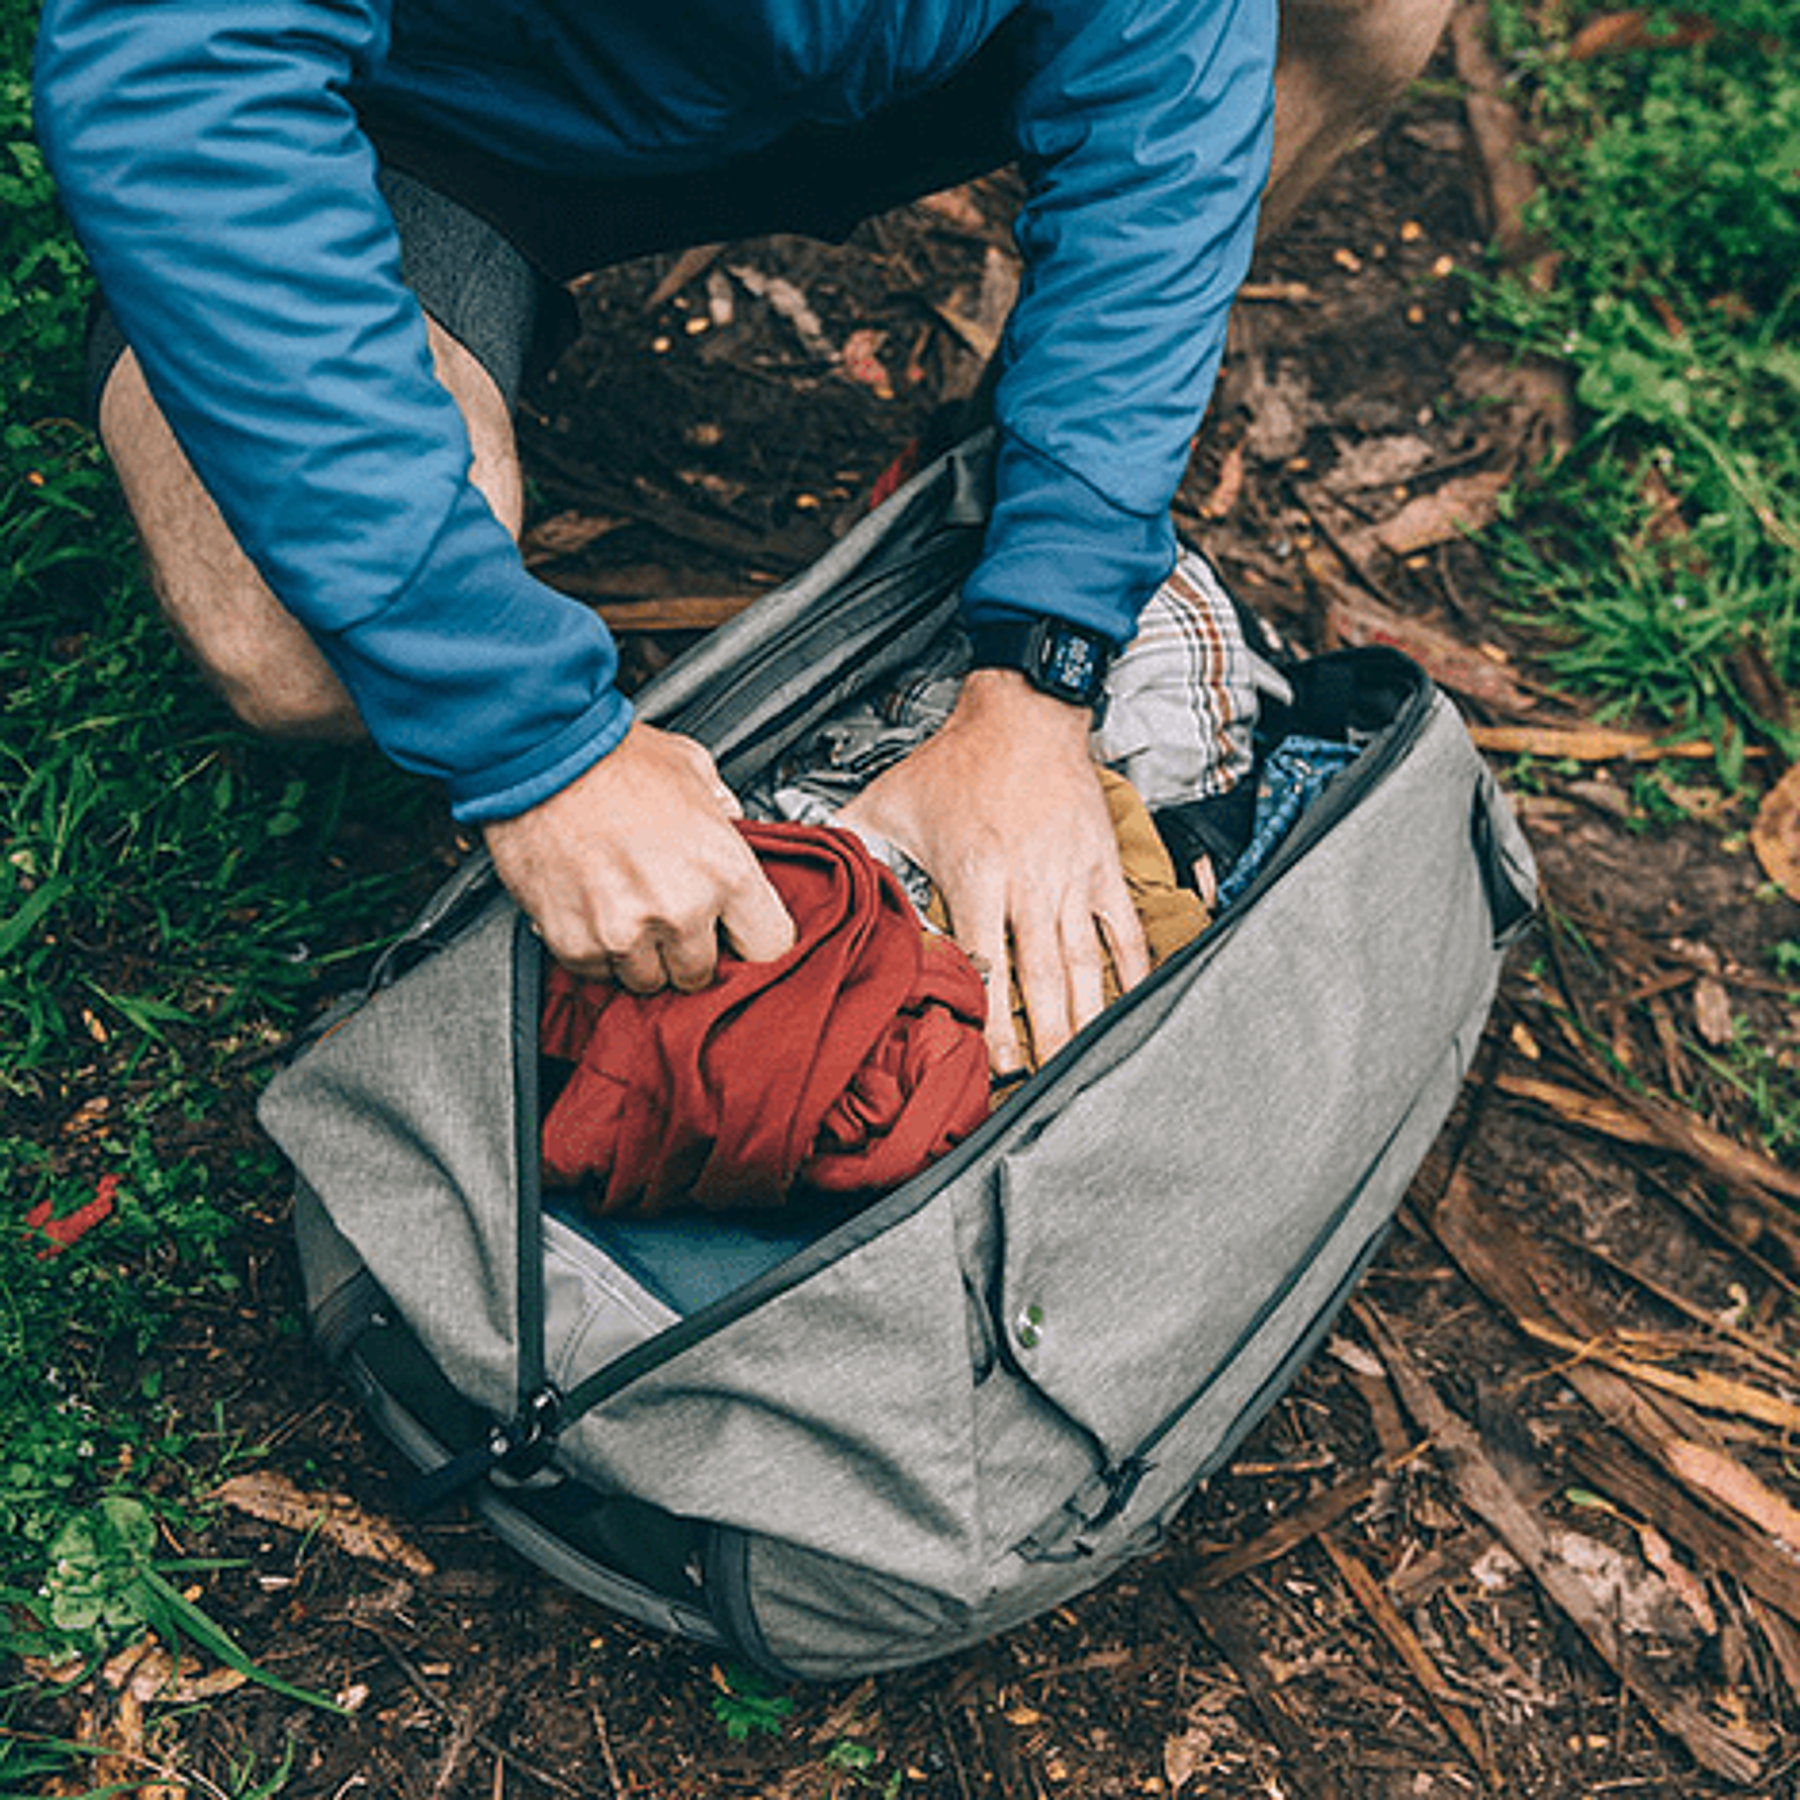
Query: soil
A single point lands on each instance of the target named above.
(692, 448)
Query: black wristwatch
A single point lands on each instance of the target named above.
(1067, 661)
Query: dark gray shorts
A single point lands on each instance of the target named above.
(467, 276)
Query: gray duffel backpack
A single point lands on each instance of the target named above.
(838, 1445)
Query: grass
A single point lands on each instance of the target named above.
(1664, 550)
(172, 897)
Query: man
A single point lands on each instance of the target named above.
(322, 467)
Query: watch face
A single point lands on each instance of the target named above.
(1071, 664)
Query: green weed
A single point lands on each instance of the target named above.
(1662, 555)
(748, 1704)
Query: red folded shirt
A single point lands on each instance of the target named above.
(845, 1066)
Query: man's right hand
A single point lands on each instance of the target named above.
(634, 871)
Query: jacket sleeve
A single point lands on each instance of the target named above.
(1144, 128)
(215, 171)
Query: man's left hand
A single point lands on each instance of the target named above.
(1004, 811)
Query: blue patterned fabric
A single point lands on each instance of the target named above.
(1293, 776)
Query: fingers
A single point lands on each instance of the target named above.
(755, 923)
(1122, 932)
(982, 934)
(634, 872)
(1062, 975)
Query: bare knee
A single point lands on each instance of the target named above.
(1364, 52)
(1342, 64)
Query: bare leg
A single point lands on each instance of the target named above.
(1343, 63)
(251, 649)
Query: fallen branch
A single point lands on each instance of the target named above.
(1638, 1119)
(1690, 1518)
(1304, 1773)
(1583, 743)
(1712, 1393)
(680, 612)
(1301, 1525)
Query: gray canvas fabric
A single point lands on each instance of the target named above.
(402, 1122)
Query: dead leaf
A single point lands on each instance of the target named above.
(1632, 30)
(1497, 131)
(567, 534)
(1684, 1584)
(88, 1117)
(1464, 503)
(268, 1495)
(970, 331)
(687, 265)
(862, 362)
(150, 1674)
(1712, 1011)
(1282, 410)
(1229, 488)
(1377, 462)
(1775, 837)
(1636, 1598)
(1183, 1757)
(788, 303)
(957, 207)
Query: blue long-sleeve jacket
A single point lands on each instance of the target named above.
(210, 159)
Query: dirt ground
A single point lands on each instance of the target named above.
(1480, 1546)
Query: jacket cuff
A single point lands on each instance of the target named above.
(516, 787)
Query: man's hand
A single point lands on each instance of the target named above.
(632, 871)
(1003, 810)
